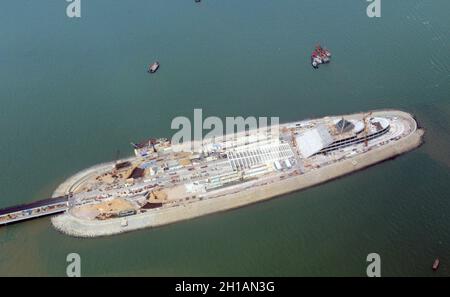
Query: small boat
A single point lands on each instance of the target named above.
(436, 264)
(153, 67)
(314, 63)
(319, 56)
(323, 51)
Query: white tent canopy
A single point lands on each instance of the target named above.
(312, 141)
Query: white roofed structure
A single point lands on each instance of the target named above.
(312, 141)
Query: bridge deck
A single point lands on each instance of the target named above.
(33, 210)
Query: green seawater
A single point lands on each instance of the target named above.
(74, 91)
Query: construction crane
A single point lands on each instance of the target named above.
(366, 128)
(294, 141)
(153, 142)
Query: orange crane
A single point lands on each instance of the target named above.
(366, 128)
(294, 142)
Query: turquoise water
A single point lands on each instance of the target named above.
(74, 91)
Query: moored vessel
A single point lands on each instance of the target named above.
(153, 67)
(436, 264)
(319, 56)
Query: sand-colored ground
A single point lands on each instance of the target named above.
(106, 208)
(157, 197)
